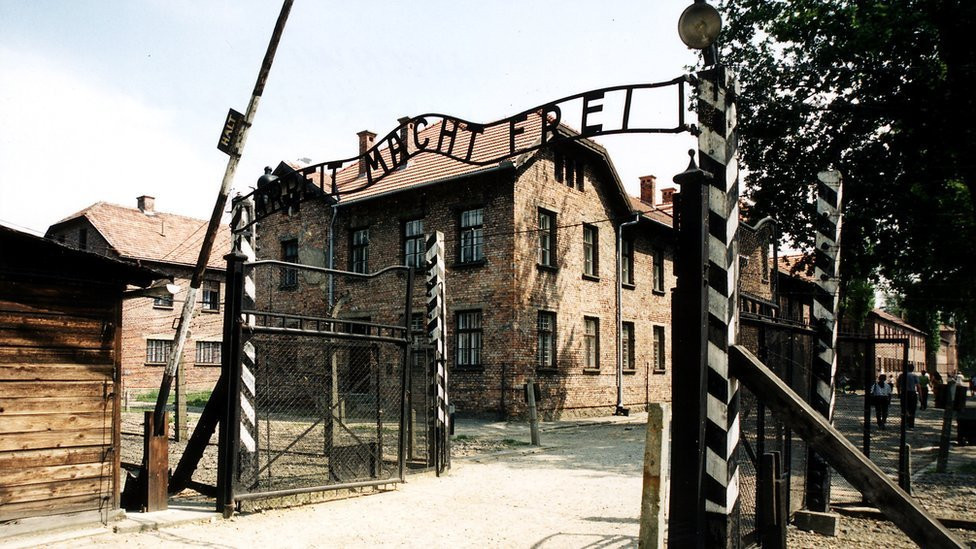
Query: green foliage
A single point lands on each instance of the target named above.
(885, 92)
(858, 301)
(197, 399)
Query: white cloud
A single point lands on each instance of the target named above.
(67, 141)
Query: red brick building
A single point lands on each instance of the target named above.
(168, 243)
(947, 357)
(532, 274)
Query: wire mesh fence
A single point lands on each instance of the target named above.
(782, 347)
(327, 410)
(882, 417)
(329, 379)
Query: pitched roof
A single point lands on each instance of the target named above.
(795, 265)
(662, 213)
(884, 315)
(161, 237)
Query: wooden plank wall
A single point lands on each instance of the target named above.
(59, 415)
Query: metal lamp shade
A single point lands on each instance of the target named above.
(699, 25)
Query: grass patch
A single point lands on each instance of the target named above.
(513, 442)
(463, 437)
(967, 468)
(196, 399)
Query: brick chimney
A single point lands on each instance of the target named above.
(406, 129)
(647, 183)
(667, 195)
(146, 204)
(366, 140)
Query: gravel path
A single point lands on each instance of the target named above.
(582, 489)
(584, 492)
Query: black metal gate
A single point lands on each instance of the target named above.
(321, 398)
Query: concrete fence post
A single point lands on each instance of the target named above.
(654, 497)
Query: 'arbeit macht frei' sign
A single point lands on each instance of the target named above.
(607, 111)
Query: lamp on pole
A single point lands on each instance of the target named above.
(698, 27)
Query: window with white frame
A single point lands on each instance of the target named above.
(591, 259)
(211, 296)
(469, 338)
(658, 270)
(659, 349)
(547, 238)
(627, 261)
(158, 350)
(627, 345)
(413, 243)
(208, 353)
(546, 333)
(471, 245)
(359, 251)
(591, 343)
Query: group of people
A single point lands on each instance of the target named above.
(914, 389)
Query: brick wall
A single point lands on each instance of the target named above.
(571, 389)
(142, 321)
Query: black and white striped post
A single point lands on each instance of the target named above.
(437, 334)
(244, 243)
(824, 319)
(717, 147)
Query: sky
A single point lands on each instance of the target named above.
(105, 100)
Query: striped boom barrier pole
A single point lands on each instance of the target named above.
(824, 319)
(717, 147)
(437, 334)
(244, 243)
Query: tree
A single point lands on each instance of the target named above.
(884, 91)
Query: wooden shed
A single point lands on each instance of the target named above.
(60, 316)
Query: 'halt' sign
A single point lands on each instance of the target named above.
(231, 132)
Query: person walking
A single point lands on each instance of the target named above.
(881, 398)
(923, 390)
(908, 392)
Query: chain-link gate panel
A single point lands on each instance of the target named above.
(324, 397)
(420, 417)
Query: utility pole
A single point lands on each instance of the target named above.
(232, 142)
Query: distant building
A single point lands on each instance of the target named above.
(169, 243)
(946, 358)
(885, 356)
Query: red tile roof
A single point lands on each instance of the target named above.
(661, 213)
(162, 237)
(884, 315)
(796, 265)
